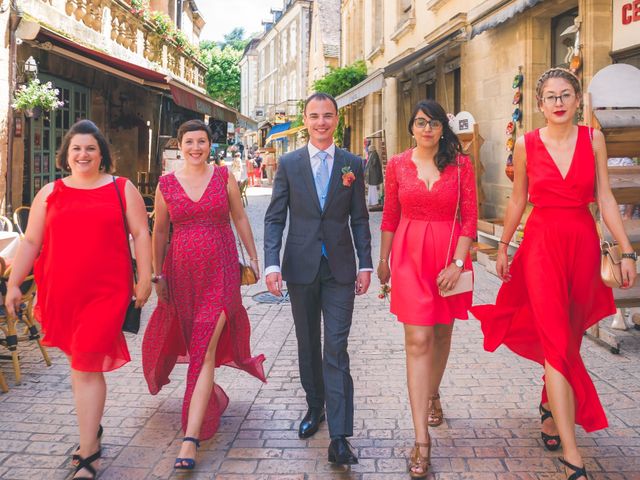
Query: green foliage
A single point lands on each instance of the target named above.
(234, 39)
(222, 79)
(339, 80)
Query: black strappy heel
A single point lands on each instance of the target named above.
(190, 462)
(546, 438)
(75, 458)
(85, 463)
(578, 471)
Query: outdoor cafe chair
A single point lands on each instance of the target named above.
(5, 224)
(20, 219)
(9, 324)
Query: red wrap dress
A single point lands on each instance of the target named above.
(555, 292)
(203, 277)
(422, 220)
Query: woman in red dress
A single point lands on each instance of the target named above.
(199, 318)
(429, 248)
(83, 272)
(552, 291)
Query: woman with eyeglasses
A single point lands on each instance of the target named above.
(552, 291)
(425, 244)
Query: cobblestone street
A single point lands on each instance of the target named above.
(491, 428)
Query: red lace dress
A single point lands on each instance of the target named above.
(422, 220)
(84, 276)
(203, 278)
(555, 292)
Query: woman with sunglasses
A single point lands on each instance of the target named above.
(552, 291)
(425, 248)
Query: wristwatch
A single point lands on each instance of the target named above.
(633, 256)
(458, 263)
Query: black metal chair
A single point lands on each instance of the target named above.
(20, 219)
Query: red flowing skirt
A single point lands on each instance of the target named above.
(554, 295)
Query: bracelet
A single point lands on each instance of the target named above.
(157, 278)
(253, 259)
(504, 243)
(383, 260)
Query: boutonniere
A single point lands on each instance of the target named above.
(348, 177)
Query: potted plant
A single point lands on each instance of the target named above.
(35, 97)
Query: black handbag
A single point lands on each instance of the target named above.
(131, 322)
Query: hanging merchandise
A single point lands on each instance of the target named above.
(516, 120)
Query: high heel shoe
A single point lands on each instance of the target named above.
(578, 471)
(85, 463)
(418, 461)
(187, 463)
(546, 438)
(435, 415)
(75, 458)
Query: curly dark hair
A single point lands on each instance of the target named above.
(449, 146)
(85, 127)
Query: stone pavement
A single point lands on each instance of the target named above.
(490, 401)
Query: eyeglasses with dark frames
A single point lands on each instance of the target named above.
(423, 122)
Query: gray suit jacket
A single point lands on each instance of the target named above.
(345, 212)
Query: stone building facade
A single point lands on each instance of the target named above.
(464, 54)
(112, 66)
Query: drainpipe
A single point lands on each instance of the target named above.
(15, 16)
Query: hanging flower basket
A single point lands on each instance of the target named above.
(35, 112)
(35, 97)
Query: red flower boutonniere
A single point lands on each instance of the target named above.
(348, 177)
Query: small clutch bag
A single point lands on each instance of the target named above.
(463, 285)
(247, 275)
(611, 265)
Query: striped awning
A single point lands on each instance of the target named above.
(284, 134)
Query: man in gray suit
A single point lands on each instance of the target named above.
(321, 187)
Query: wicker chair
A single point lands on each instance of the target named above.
(20, 219)
(9, 324)
(6, 225)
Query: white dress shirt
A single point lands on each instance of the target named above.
(315, 164)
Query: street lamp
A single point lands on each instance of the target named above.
(30, 67)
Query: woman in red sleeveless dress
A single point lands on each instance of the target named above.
(199, 318)
(428, 249)
(553, 291)
(83, 272)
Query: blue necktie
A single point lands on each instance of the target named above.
(322, 177)
(322, 184)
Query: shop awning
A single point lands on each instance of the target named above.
(369, 85)
(501, 14)
(189, 98)
(425, 54)
(276, 129)
(183, 94)
(284, 134)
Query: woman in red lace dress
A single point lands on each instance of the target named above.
(83, 272)
(552, 291)
(199, 318)
(421, 199)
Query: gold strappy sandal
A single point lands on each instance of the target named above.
(436, 415)
(417, 461)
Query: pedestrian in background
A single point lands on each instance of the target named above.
(320, 189)
(236, 167)
(270, 166)
(199, 317)
(77, 237)
(553, 291)
(424, 248)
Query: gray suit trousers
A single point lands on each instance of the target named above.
(324, 372)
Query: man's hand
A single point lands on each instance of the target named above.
(362, 282)
(274, 283)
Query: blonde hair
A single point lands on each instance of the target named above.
(562, 73)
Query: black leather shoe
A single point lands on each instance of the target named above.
(310, 423)
(341, 453)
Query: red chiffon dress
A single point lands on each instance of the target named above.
(203, 277)
(422, 220)
(84, 276)
(555, 292)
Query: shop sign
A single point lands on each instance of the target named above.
(626, 24)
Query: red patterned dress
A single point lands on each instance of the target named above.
(203, 278)
(421, 220)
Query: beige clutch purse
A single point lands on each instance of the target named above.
(463, 285)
